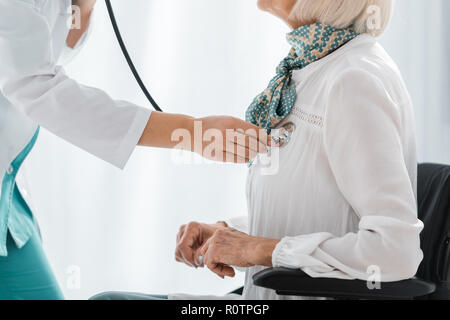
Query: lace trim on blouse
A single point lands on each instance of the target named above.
(308, 117)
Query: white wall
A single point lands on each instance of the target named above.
(199, 57)
(419, 41)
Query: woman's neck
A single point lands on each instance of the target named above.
(294, 24)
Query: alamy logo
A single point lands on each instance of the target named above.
(74, 20)
(73, 277)
(374, 279)
(214, 145)
(374, 19)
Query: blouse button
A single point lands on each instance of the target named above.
(10, 170)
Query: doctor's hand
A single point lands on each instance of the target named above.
(191, 238)
(229, 139)
(218, 138)
(228, 247)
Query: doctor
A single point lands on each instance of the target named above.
(35, 91)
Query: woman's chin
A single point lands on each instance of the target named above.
(264, 5)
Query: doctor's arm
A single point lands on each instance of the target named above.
(86, 117)
(166, 130)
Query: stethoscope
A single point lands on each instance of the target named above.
(282, 136)
(128, 57)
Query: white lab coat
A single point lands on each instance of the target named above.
(34, 89)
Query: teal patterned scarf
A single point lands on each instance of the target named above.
(309, 44)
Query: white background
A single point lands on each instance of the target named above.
(200, 57)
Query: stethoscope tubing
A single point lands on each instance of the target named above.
(289, 128)
(128, 57)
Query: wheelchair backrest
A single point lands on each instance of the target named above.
(434, 211)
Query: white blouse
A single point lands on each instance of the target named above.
(344, 197)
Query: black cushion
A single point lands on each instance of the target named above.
(434, 211)
(297, 283)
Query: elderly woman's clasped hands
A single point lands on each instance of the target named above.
(220, 248)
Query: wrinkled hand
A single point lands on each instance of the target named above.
(191, 238)
(228, 247)
(228, 139)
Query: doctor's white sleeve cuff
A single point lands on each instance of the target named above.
(131, 139)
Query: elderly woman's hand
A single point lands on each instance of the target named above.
(228, 247)
(191, 238)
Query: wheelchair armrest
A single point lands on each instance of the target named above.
(290, 282)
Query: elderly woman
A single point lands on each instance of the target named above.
(343, 200)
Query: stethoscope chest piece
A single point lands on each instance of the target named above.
(283, 135)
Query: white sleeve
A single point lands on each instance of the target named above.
(238, 223)
(364, 148)
(31, 81)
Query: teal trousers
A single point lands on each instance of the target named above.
(25, 274)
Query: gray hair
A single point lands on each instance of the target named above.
(366, 16)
